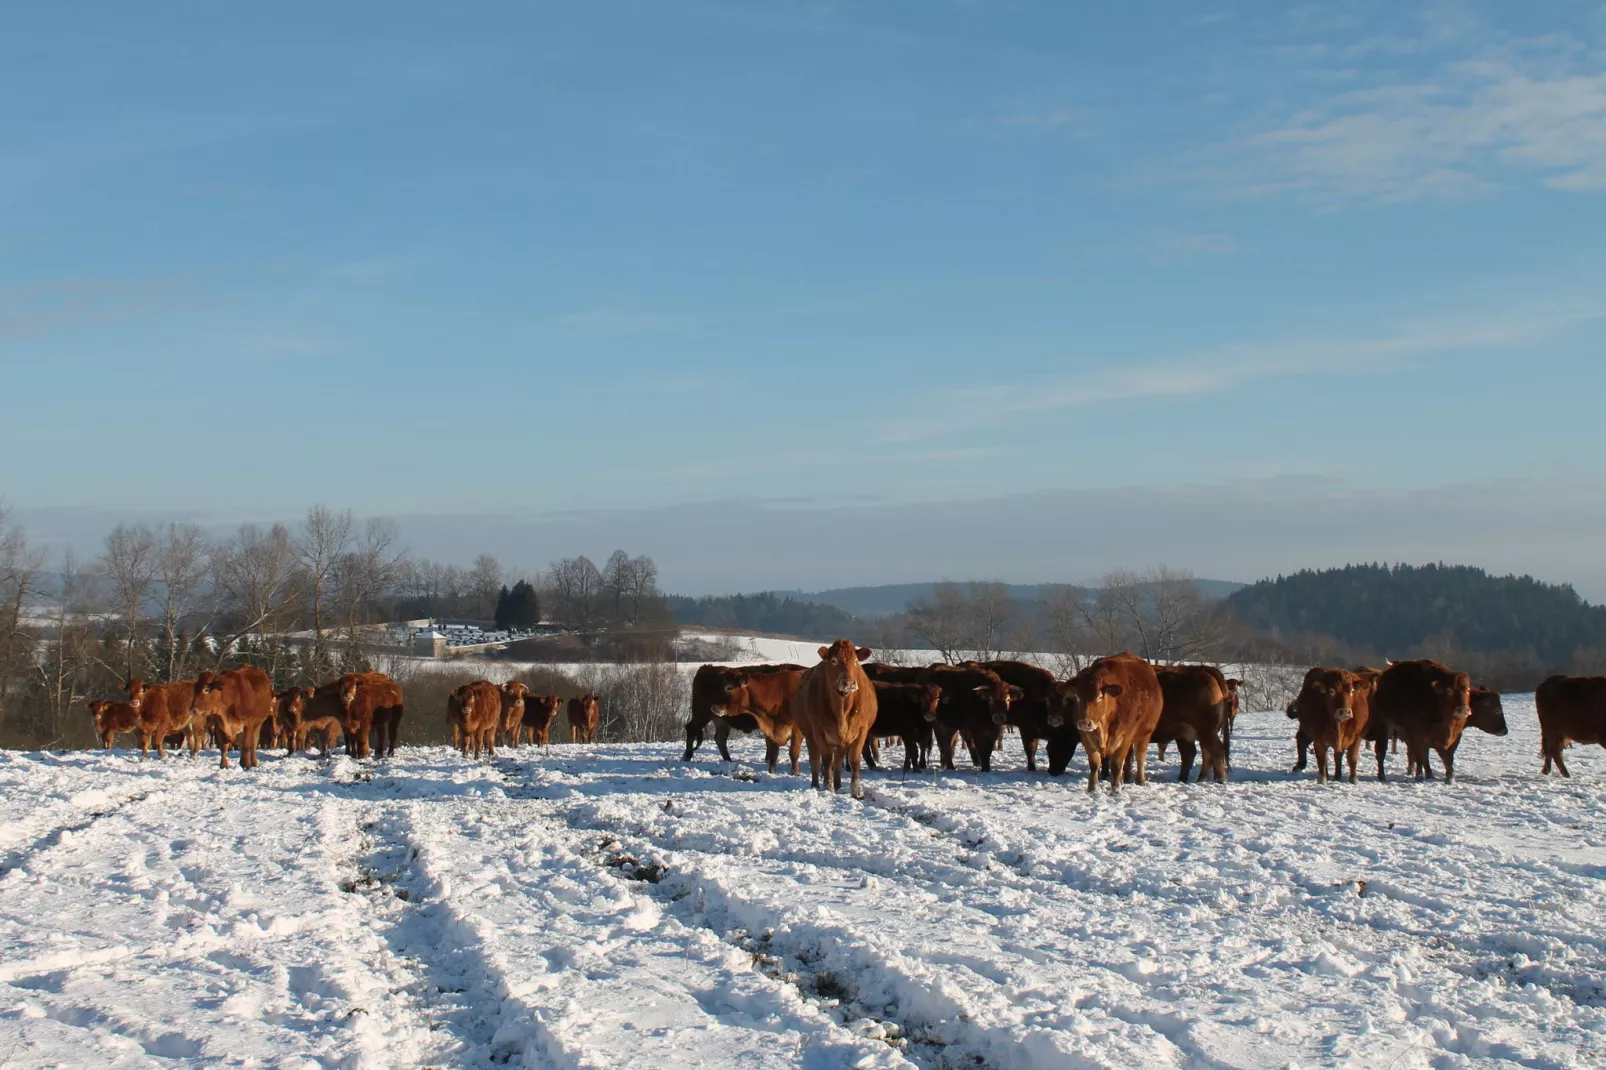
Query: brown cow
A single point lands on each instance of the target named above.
(475, 712)
(113, 719)
(1427, 705)
(835, 706)
(1197, 715)
(583, 718)
(233, 705)
(762, 698)
(1115, 703)
(514, 693)
(370, 705)
(165, 710)
(975, 705)
(708, 694)
(289, 710)
(1334, 710)
(539, 713)
(908, 711)
(1572, 709)
(1035, 707)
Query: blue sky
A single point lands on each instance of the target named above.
(515, 260)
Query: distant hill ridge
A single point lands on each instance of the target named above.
(889, 599)
(1393, 609)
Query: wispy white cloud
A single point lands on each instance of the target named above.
(1478, 113)
(1218, 370)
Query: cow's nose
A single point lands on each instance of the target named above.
(1344, 714)
(931, 716)
(999, 718)
(1463, 711)
(1085, 725)
(1055, 720)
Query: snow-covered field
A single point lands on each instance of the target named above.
(609, 906)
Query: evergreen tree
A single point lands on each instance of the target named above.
(503, 607)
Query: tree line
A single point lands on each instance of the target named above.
(163, 602)
(767, 611)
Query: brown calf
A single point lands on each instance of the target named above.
(113, 719)
(514, 695)
(583, 718)
(165, 711)
(539, 713)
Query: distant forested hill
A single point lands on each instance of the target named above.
(1394, 609)
(766, 612)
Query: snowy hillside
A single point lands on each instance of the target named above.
(610, 906)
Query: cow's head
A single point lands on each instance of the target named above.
(1091, 697)
(99, 709)
(1332, 691)
(136, 690)
(1455, 693)
(207, 697)
(513, 698)
(841, 660)
(1487, 713)
(931, 697)
(1233, 687)
(350, 684)
(730, 693)
(1000, 699)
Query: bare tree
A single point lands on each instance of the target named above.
(254, 573)
(939, 620)
(574, 585)
(129, 565)
(182, 565)
(374, 566)
(1164, 610)
(991, 616)
(19, 578)
(484, 582)
(643, 591)
(1065, 620)
(323, 540)
(617, 580)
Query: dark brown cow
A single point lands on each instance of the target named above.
(1035, 707)
(975, 707)
(761, 696)
(165, 710)
(708, 694)
(1334, 710)
(1427, 705)
(1572, 709)
(1196, 714)
(908, 711)
(583, 718)
(835, 706)
(514, 695)
(233, 705)
(539, 713)
(113, 719)
(1115, 703)
(289, 710)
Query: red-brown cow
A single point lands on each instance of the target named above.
(583, 718)
(707, 696)
(908, 711)
(1425, 704)
(514, 695)
(761, 697)
(835, 705)
(113, 719)
(1334, 709)
(165, 710)
(1572, 709)
(1115, 703)
(233, 705)
(1196, 714)
(371, 706)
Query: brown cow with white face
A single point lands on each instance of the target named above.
(1115, 704)
(232, 706)
(583, 718)
(1334, 710)
(835, 706)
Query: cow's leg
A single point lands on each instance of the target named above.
(869, 752)
(1561, 764)
(1321, 761)
(1028, 743)
(1447, 755)
(722, 736)
(1215, 759)
(1380, 747)
(1302, 742)
(855, 788)
(945, 748)
(795, 748)
(772, 753)
(1354, 756)
(1142, 747)
(1118, 769)
(1187, 751)
(1095, 766)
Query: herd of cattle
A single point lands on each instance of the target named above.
(845, 705)
(1114, 709)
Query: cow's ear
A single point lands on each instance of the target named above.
(825, 653)
(863, 653)
(1233, 685)
(1016, 693)
(1113, 690)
